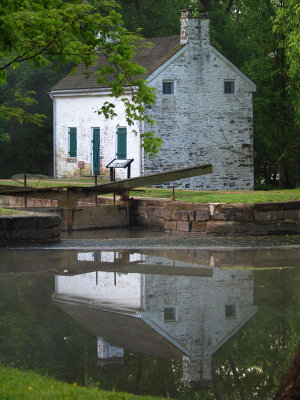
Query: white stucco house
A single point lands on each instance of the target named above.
(203, 111)
(163, 313)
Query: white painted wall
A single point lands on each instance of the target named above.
(105, 288)
(80, 111)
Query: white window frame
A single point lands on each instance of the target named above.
(234, 89)
(230, 309)
(175, 314)
(172, 81)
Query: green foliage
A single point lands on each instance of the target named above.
(262, 350)
(151, 144)
(29, 148)
(68, 32)
(286, 25)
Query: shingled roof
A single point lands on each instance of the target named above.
(150, 58)
(119, 329)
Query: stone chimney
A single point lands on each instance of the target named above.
(195, 30)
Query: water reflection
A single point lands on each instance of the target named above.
(185, 318)
(190, 306)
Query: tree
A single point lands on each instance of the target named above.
(44, 31)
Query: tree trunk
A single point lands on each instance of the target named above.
(290, 385)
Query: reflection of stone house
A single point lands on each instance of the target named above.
(203, 111)
(186, 318)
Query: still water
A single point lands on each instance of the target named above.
(188, 324)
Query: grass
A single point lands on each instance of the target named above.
(184, 195)
(222, 196)
(15, 384)
(8, 211)
(52, 182)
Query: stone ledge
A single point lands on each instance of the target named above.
(30, 228)
(280, 205)
(215, 219)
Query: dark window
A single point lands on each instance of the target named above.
(229, 87)
(230, 311)
(168, 87)
(121, 143)
(170, 314)
(73, 142)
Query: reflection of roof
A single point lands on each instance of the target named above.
(152, 58)
(120, 329)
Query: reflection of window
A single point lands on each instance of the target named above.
(170, 314)
(168, 87)
(230, 311)
(229, 87)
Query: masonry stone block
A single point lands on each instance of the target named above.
(203, 215)
(192, 215)
(183, 226)
(180, 215)
(266, 228)
(48, 221)
(156, 221)
(270, 215)
(289, 227)
(292, 215)
(198, 226)
(170, 225)
(157, 212)
(179, 206)
(229, 227)
(167, 214)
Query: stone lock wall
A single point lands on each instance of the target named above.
(29, 227)
(204, 219)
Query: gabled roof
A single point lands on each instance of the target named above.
(154, 59)
(120, 329)
(163, 48)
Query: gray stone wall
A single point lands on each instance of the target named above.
(205, 219)
(200, 308)
(199, 123)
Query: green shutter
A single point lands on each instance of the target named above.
(73, 142)
(121, 143)
(96, 151)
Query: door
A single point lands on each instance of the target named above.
(96, 151)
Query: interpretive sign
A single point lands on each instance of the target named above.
(117, 163)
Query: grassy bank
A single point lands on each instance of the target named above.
(184, 195)
(222, 196)
(7, 211)
(21, 385)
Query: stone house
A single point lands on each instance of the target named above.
(175, 316)
(203, 111)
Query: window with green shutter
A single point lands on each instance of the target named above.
(73, 142)
(121, 143)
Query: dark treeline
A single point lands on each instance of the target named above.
(261, 37)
